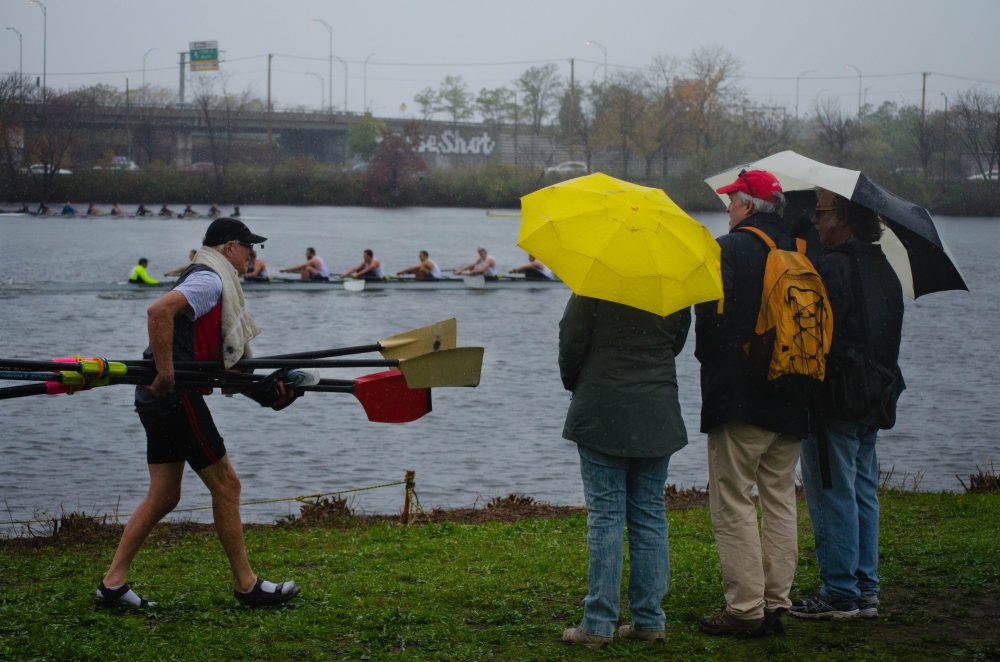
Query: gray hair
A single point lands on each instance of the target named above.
(764, 206)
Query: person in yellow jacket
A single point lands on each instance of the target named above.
(139, 275)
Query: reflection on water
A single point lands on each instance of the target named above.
(87, 451)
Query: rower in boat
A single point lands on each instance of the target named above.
(142, 211)
(214, 211)
(116, 210)
(314, 268)
(139, 275)
(484, 265)
(256, 270)
(181, 269)
(236, 212)
(43, 209)
(189, 213)
(369, 268)
(166, 211)
(68, 209)
(534, 270)
(427, 269)
(92, 210)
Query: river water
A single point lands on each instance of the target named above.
(87, 451)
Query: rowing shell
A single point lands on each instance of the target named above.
(295, 285)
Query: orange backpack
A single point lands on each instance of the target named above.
(795, 323)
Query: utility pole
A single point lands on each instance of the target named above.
(923, 95)
(183, 54)
(573, 105)
(270, 110)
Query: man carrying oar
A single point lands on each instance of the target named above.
(202, 318)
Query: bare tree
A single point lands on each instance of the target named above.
(709, 93)
(220, 113)
(835, 132)
(977, 122)
(767, 129)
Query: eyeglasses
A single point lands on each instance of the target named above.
(245, 244)
(819, 211)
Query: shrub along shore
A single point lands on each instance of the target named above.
(486, 187)
(495, 583)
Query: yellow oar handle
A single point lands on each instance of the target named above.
(98, 366)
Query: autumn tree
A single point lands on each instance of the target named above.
(394, 167)
(454, 98)
(540, 88)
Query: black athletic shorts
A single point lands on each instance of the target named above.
(181, 430)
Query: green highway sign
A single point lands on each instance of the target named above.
(204, 55)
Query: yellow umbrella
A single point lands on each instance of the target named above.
(617, 241)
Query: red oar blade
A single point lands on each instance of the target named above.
(386, 398)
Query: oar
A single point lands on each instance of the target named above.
(460, 366)
(384, 396)
(422, 340)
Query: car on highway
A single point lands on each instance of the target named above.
(43, 169)
(568, 169)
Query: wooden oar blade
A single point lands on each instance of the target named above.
(426, 339)
(387, 399)
(460, 366)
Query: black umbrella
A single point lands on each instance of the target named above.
(911, 243)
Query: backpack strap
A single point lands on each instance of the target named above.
(760, 233)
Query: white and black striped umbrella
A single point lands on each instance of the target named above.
(911, 243)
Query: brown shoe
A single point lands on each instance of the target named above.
(633, 633)
(578, 636)
(723, 624)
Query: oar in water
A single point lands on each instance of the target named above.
(472, 282)
(385, 396)
(422, 340)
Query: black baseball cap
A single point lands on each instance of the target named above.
(229, 229)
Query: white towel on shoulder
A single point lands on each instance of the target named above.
(238, 327)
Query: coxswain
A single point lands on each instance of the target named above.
(236, 211)
(139, 275)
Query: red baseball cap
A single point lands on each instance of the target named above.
(758, 183)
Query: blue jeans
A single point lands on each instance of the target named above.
(845, 517)
(620, 489)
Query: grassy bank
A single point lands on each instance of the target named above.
(502, 589)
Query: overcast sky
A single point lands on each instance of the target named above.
(415, 44)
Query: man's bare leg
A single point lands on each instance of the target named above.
(162, 497)
(221, 480)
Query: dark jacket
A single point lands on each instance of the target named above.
(730, 392)
(883, 299)
(619, 363)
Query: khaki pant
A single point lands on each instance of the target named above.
(757, 567)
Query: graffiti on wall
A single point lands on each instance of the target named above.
(451, 142)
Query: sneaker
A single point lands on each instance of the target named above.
(724, 624)
(578, 636)
(868, 605)
(635, 634)
(825, 608)
(773, 620)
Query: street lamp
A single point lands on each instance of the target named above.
(851, 66)
(322, 90)
(45, 38)
(20, 60)
(944, 143)
(801, 75)
(591, 42)
(364, 100)
(145, 55)
(343, 62)
(329, 31)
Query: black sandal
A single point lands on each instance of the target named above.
(258, 597)
(111, 598)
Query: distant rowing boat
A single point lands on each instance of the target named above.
(295, 285)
